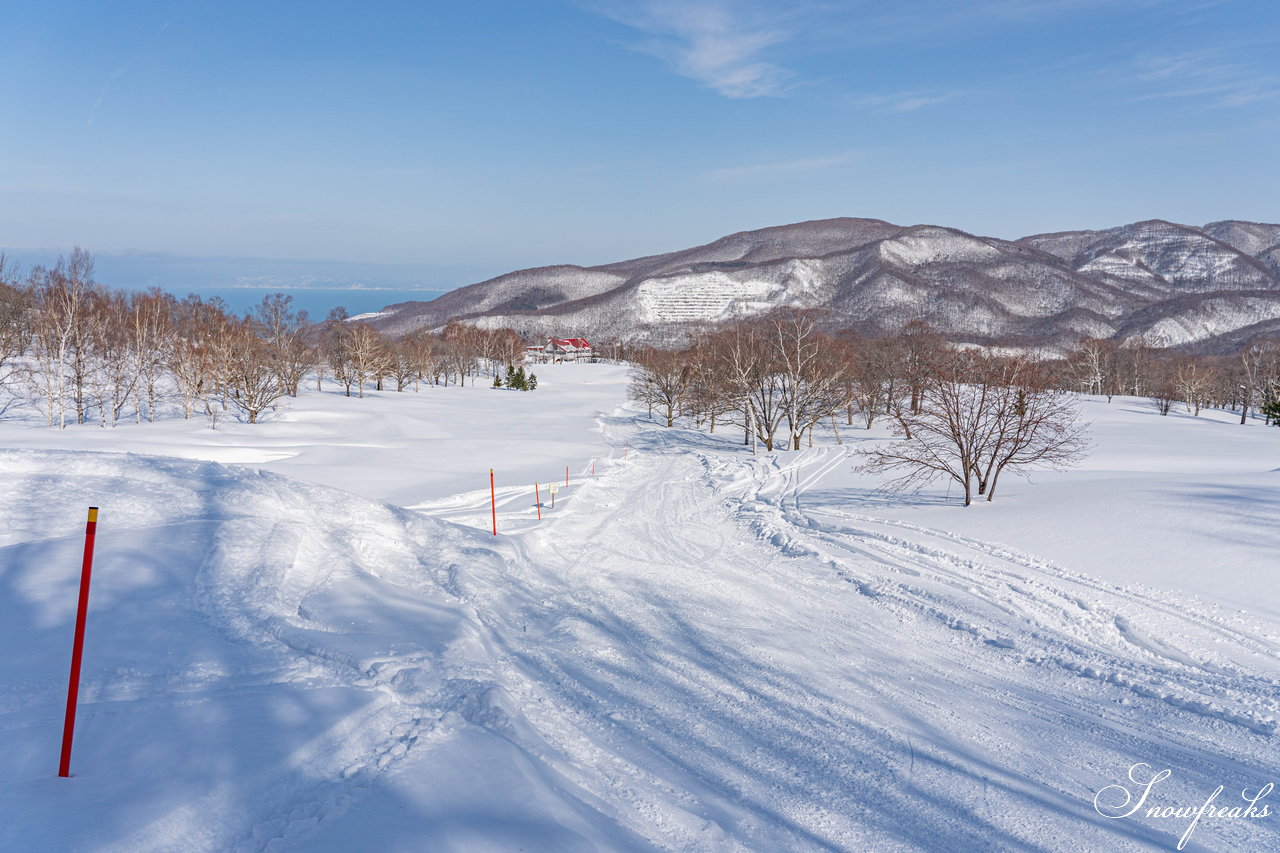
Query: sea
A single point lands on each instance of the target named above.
(317, 302)
(317, 287)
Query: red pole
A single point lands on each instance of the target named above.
(493, 503)
(566, 475)
(77, 649)
(537, 501)
(593, 467)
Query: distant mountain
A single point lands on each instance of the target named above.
(1209, 287)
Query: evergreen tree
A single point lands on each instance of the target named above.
(533, 382)
(1271, 411)
(497, 382)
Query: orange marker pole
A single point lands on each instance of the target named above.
(537, 501)
(493, 503)
(77, 648)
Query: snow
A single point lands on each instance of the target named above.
(927, 244)
(402, 447)
(1210, 317)
(695, 650)
(697, 296)
(1177, 502)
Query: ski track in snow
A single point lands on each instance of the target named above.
(687, 654)
(810, 678)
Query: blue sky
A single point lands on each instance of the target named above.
(469, 139)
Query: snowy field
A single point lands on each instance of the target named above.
(304, 637)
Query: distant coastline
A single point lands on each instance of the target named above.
(316, 301)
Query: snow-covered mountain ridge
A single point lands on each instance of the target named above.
(1212, 287)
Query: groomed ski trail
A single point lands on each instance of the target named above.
(744, 671)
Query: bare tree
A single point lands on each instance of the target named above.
(979, 417)
(876, 377)
(62, 328)
(499, 347)
(944, 439)
(464, 350)
(1161, 384)
(1254, 372)
(709, 397)
(662, 379)
(252, 383)
(368, 356)
(1135, 363)
(1193, 380)
(151, 326)
(411, 359)
(285, 331)
(742, 357)
(1093, 365)
(812, 377)
(15, 328)
(115, 363)
(73, 303)
(1032, 424)
(194, 353)
(919, 346)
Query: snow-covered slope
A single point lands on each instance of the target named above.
(697, 649)
(877, 276)
(1252, 238)
(1158, 256)
(267, 662)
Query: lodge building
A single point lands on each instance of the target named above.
(559, 350)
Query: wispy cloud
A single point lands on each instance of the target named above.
(116, 75)
(740, 48)
(905, 102)
(754, 171)
(719, 43)
(864, 24)
(102, 94)
(1206, 75)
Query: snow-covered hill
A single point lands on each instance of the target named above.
(1149, 278)
(697, 649)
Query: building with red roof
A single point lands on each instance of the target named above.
(561, 349)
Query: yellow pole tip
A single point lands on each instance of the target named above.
(93, 513)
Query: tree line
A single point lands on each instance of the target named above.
(79, 352)
(962, 414)
(1247, 381)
